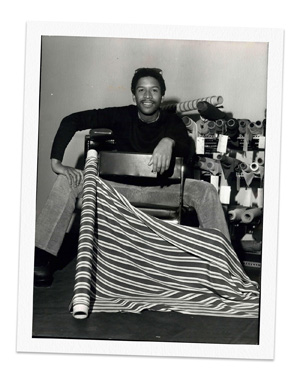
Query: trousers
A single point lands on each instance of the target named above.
(54, 219)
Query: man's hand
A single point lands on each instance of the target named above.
(162, 154)
(74, 176)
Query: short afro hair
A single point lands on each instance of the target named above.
(148, 72)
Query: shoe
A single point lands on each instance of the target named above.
(43, 269)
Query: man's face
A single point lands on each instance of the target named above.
(148, 95)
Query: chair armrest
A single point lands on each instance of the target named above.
(99, 139)
(100, 133)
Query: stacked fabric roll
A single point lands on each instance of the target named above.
(191, 105)
(245, 215)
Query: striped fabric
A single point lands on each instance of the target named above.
(129, 261)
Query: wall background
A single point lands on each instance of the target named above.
(80, 73)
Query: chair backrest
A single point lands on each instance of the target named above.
(135, 165)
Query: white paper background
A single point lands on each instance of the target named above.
(230, 13)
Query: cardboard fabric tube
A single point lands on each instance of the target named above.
(210, 165)
(260, 161)
(220, 123)
(249, 215)
(211, 127)
(254, 167)
(191, 105)
(252, 128)
(236, 213)
(191, 127)
(244, 167)
(203, 128)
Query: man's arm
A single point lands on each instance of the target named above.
(162, 154)
(68, 127)
(176, 141)
(74, 176)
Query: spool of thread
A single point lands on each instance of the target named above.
(220, 125)
(249, 215)
(210, 112)
(236, 214)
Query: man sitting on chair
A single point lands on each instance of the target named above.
(143, 127)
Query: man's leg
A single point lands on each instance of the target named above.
(51, 226)
(204, 198)
(200, 195)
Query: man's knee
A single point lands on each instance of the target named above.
(194, 187)
(63, 186)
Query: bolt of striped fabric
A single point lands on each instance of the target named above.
(82, 287)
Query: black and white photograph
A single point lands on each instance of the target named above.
(200, 96)
(154, 160)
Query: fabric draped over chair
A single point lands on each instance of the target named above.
(128, 262)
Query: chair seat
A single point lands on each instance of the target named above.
(159, 211)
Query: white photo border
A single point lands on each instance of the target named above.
(265, 348)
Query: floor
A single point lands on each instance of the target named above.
(51, 317)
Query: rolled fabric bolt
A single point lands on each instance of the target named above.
(252, 128)
(244, 167)
(203, 128)
(236, 213)
(92, 153)
(211, 127)
(220, 123)
(191, 105)
(81, 298)
(259, 128)
(210, 165)
(232, 128)
(231, 124)
(249, 215)
(260, 161)
(191, 127)
(255, 129)
(210, 112)
(216, 100)
(254, 167)
(243, 123)
(169, 107)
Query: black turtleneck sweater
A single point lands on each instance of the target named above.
(129, 132)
